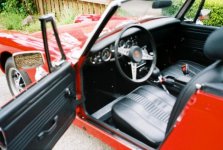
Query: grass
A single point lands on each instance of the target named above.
(13, 21)
(67, 16)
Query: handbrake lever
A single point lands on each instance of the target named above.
(157, 75)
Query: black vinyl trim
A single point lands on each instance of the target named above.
(34, 111)
(213, 88)
(180, 15)
(111, 130)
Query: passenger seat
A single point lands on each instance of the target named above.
(175, 70)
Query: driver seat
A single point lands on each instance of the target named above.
(148, 113)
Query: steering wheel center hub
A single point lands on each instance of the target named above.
(135, 54)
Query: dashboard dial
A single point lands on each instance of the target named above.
(121, 43)
(129, 44)
(106, 54)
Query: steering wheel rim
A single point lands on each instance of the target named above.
(133, 64)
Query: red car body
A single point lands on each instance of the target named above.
(203, 112)
(72, 36)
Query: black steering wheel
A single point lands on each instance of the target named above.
(141, 57)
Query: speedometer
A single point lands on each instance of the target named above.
(106, 54)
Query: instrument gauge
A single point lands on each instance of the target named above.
(129, 44)
(121, 43)
(93, 60)
(106, 54)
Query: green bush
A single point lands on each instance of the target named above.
(177, 4)
(13, 12)
(1, 4)
(172, 10)
(215, 17)
(18, 6)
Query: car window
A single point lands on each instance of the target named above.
(209, 15)
(129, 10)
(15, 80)
(24, 69)
(173, 9)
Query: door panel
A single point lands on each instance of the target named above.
(39, 117)
(191, 42)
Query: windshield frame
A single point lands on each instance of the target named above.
(106, 16)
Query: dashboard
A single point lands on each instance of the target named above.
(107, 53)
(103, 50)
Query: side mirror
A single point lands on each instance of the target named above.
(161, 3)
(28, 60)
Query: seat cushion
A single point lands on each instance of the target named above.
(176, 72)
(144, 114)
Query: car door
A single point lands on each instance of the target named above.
(192, 38)
(38, 117)
(198, 22)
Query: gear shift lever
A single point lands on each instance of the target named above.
(157, 75)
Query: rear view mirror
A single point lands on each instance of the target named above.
(28, 60)
(161, 3)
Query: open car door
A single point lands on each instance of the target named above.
(38, 117)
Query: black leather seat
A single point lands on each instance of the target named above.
(144, 113)
(148, 113)
(176, 72)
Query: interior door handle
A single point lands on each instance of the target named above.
(44, 133)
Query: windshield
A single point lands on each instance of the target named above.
(139, 10)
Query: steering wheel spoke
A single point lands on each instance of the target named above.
(124, 51)
(134, 70)
(146, 56)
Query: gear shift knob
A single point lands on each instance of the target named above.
(156, 73)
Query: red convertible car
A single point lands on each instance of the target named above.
(135, 79)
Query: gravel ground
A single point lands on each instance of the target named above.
(73, 139)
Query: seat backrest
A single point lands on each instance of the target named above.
(212, 74)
